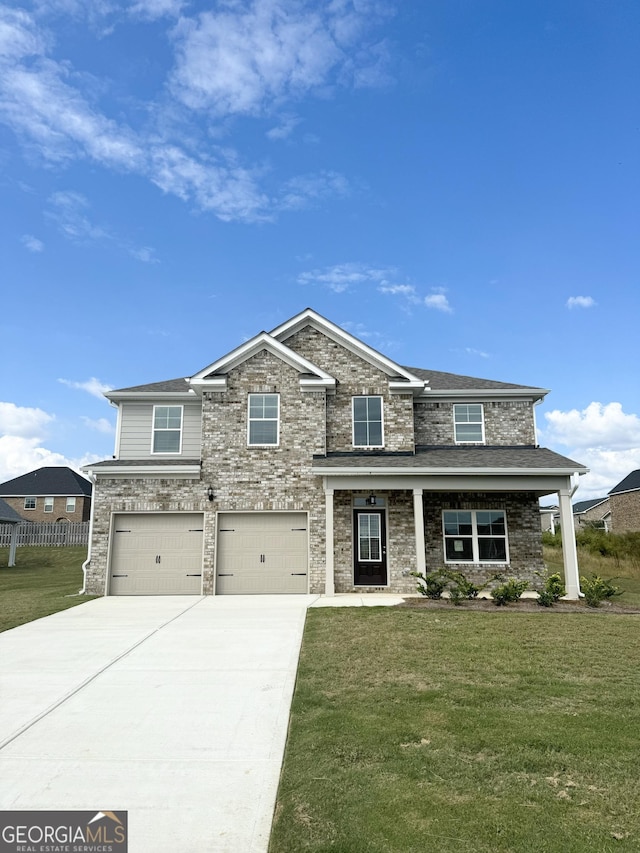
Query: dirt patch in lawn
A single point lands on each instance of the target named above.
(526, 605)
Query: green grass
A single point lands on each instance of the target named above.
(625, 571)
(440, 730)
(39, 583)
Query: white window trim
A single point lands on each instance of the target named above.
(35, 503)
(153, 429)
(476, 561)
(48, 507)
(455, 423)
(353, 421)
(263, 420)
(70, 508)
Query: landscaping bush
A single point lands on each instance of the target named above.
(508, 592)
(552, 591)
(432, 585)
(597, 589)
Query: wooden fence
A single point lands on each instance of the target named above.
(47, 533)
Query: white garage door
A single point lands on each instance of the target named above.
(157, 554)
(262, 552)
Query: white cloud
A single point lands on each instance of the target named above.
(67, 210)
(407, 290)
(284, 128)
(99, 424)
(31, 243)
(22, 420)
(603, 437)
(342, 277)
(145, 254)
(19, 455)
(439, 302)
(580, 302)
(92, 386)
(304, 190)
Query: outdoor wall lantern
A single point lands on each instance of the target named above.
(371, 500)
(210, 494)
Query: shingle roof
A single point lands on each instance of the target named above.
(137, 463)
(583, 506)
(440, 381)
(481, 457)
(630, 483)
(170, 385)
(8, 515)
(47, 482)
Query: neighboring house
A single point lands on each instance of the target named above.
(624, 500)
(305, 461)
(49, 494)
(595, 512)
(549, 518)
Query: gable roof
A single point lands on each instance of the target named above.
(48, 481)
(631, 483)
(8, 515)
(582, 506)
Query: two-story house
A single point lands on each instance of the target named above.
(306, 461)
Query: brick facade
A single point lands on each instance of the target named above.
(81, 512)
(505, 423)
(625, 512)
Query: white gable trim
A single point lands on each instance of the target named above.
(214, 377)
(406, 381)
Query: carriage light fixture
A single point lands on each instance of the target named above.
(210, 494)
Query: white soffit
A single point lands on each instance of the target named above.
(214, 377)
(406, 381)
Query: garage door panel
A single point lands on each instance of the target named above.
(262, 553)
(157, 554)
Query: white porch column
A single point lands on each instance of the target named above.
(569, 550)
(329, 582)
(418, 518)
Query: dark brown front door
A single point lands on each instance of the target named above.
(370, 548)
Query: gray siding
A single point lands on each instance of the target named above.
(136, 427)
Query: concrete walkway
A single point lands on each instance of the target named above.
(173, 708)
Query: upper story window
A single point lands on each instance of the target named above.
(48, 504)
(468, 423)
(264, 420)
(367, 422)
(475, 536)
(29, 503)
(167, 429)
(71, 505)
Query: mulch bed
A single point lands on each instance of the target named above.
(525, 605)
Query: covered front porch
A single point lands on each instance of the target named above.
(383, 523)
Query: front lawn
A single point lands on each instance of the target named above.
(39, 583)
(449, 730)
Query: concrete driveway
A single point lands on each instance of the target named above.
(172, 708)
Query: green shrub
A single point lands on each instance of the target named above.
(509, 591)
(432, 584)
(552, 591)
(597, 589)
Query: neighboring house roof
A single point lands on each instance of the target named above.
(8, 515)
(631, 483)
(47, 482)
(434, 459)
(582, 506)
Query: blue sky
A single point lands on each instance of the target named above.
(456, 182)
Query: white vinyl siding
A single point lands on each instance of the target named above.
(468, 423)
(136, 431)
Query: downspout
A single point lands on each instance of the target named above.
(85, 565)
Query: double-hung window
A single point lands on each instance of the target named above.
(468, 423)
(475, 536)
(71, 505)
(30, 503)
(264, 420)
(48, 504)
(167, 429)
(367, 422)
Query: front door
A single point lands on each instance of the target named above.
(370, 548)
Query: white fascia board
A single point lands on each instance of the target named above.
(486, 394)
(118, 396)
(455, 472)
(204, 380)
(309, 317)
(115, 470)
